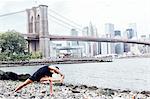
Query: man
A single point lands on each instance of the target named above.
(42, 74)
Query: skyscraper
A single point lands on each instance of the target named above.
(109, 29)
(117, 33)
(130, 33)
(75, 44)
(74, 32)
(118, 46)
(108, 48)
(133, 26)
(91, 48)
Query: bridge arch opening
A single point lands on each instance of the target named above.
(37, 24)
(31, 25)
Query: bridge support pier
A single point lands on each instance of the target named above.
(44, 47)
(37, 23)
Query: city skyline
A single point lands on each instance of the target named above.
(119, 13)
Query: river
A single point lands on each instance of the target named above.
(132, 74)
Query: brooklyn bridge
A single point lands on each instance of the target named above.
(38, 36)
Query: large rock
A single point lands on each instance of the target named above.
(1, 74)
(13, 76)
(23, 77)
(10, 76)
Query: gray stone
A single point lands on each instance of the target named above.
(75, 91)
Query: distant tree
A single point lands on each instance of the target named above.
(12, 42)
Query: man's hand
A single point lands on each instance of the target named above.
(62, 80)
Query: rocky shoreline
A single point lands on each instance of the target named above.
(66, 91)
(9, 81)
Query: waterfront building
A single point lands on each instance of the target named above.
(99, 48)
(119, 48)
(134, 48)
(144, 48)
(54, 53)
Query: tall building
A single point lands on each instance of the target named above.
(85, 31)
(118, 46)
(117, 33)
(130, 33)
(90, 48)
(74, 45)
(109, 29)
(108, 48)
(74, 32)
(104, 47)
(133, 26)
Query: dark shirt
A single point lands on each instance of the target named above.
(41, 72)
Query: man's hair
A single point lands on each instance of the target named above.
(56, 67)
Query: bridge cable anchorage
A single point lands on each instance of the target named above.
(7, 14)
(64, 22)
(65, 18)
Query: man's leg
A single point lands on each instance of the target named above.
(28, 81)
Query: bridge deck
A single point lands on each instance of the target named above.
(31, 36)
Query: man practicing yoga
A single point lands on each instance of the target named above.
(41, 75)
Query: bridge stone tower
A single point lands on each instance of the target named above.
(37, 23)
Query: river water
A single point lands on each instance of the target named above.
(133, 74)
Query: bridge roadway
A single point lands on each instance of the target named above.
(35, 36)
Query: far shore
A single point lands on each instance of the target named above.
(36, 62)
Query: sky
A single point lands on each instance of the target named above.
(98, 12)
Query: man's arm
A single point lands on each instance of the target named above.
(62, 77)
(58, 72)
(43, 79)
